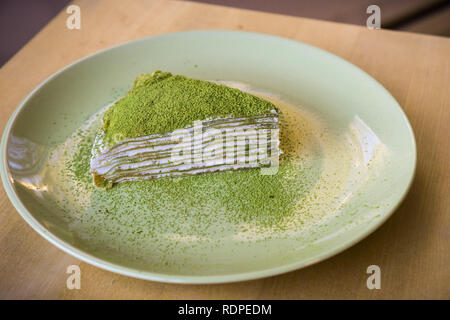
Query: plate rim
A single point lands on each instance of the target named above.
(194, 279)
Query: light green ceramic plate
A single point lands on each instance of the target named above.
(356, 160)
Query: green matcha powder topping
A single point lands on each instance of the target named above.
(162, 102)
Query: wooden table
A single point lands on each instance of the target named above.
(412, 248)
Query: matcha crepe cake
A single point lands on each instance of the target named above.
(171, 126)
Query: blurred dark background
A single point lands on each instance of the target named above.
(20, 20)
